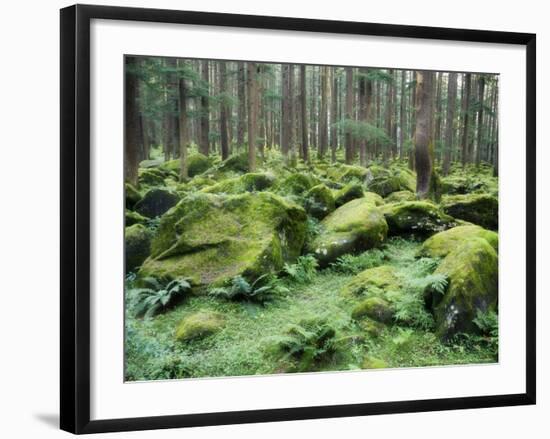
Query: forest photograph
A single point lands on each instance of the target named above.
(290, 218)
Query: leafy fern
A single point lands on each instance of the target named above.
(303, 270)
(264, 289)
(157, 298)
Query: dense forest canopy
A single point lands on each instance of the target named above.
(305, 111)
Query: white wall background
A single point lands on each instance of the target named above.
(29, 218)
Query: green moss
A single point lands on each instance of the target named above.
(400, 196)
(157, 201)
(480, 209)
(199, 325)
(373, 363)
(374, 198)
(296, 184)
(472, 271)
(131, 218)
(132, 195)
(245, 183)
(151, 177)
(441, 244)
(319, 201)
(346, 173)
(196, 164)
(137, 244)
(416, 217)
(373, 281)
(355, 226)
(374, 307)
(213, 238)
(236, 163)
(386, 181)
(349, 192)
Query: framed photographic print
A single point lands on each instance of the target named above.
(268, 218)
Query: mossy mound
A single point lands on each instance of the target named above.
(319, 201)
(132, 195)
(347, 173)
(196, 164)
(374, 198)
(151, 177)
(245, 183)
(199, 325)
(357, 225)
(480, 209)
(373, 281)
(416, 217)
(400, 196)
(441, 244)
(154, 163)
(213, 238)
(375, 308)
(137, 246)
(131, 218)
(349, 192)
(472, 272)
(156, 202)
(373, 363)
(386, 181)
(236, 163)
(296, 184)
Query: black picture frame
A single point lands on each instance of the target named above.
(75, 217)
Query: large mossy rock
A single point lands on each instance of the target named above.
(472, 273)
(252, 182)
(480, 209)
(212, 238)
(297, 183)
(137, 246)
(400, 196)
(373, 281)
(151, 177)
(443, 243)
(236, 163)
(386, 181)
(131, 218)
(416, 217)
(355, 226)
(349, 192)
(319, 201)
(347, 173)
(199, 325)
(156, 202)
(196, 164)
(132, 195)
(375, 308)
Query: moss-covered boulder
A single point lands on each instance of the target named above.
(245, 183)
(355, 226)
(132, 195)
(137, 246)
(349, 192)
(212, 238)
(441, 244)
(236, 163)
(156, 202)
(373, 281)
(480, 209)
(375, 308)
(374, 198)
(131, 218)
(151, 177)
(416, 217)
(347, 173)
(400, 196)
(472, 273)
(386, 181)
(297, 183)
(373, 363)
(196, 164)
(199, 325)
(319, 201)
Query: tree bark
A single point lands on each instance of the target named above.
(252, 114)
(303, 108)
(132, 138)
(323, 116)
(349, 114)
(204, 145)
(223, 112)
(481, 85)
(183, 123)
(465, 115)
(422, 137)
(449, 124)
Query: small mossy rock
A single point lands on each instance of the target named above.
(472, 273)
(151, 177)
(137, 246)
(373, 363)
(197, 164)
(371, 327)
(156, 202)
(131, 218)
(375, 308)
(480, 209)
(236, 163)
(349, 192)
(319, 201)
(297, 183)
(386, 181)
(373, 281)
(199, 325)
(400, 196)
(416, 217)
(347, 173)
(245, 183)
(150, 163)
(443, 243)
(213, 238)
(132, 195)
(374, 198)
(355, 226)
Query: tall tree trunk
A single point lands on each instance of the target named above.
(333, 116)
(349, 114)
(132, 137)
(291, 117)
(323, 116)
(204, 145)
(252, 114)
(285, 112)
(466, 117)
(438, 108)
(402, 119)
(241, 109)
(223, 112)
(481, 85)
(422, 137)
(303, 108)
(364, 103)
(449, 124)
(388, 116)
(183, 123)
